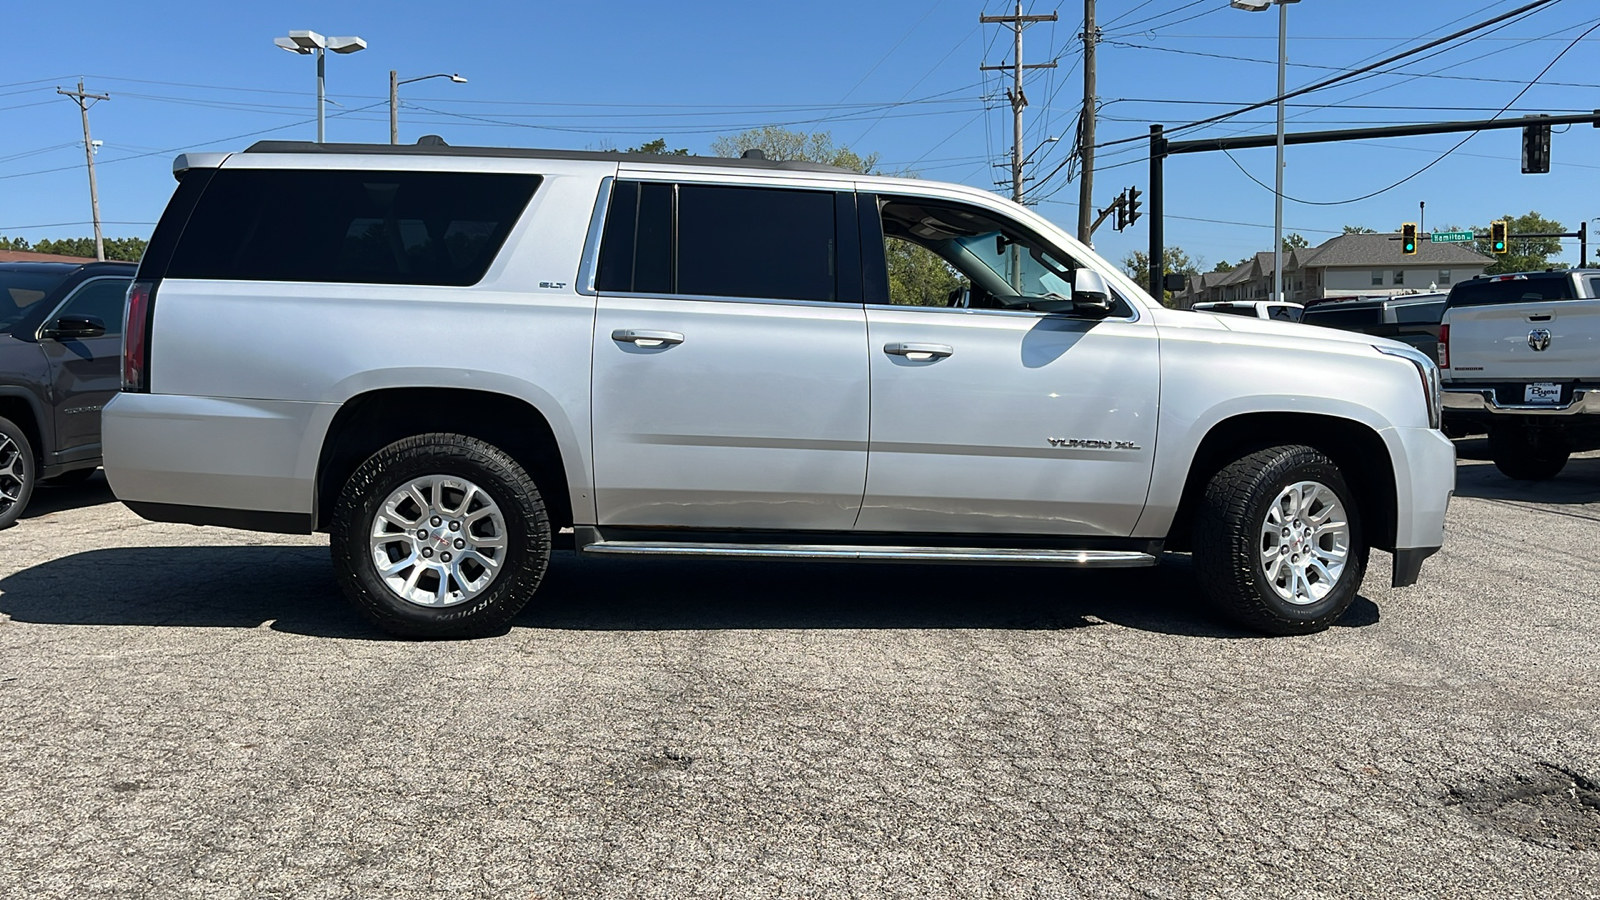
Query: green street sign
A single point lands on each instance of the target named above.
(1451, 237)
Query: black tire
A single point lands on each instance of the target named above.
(19, 472)
(526, 536)
(1525, 454)
(69, 479)
(1228, 541)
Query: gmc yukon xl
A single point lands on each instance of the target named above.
(446, 356)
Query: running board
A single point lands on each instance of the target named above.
(1100, 559)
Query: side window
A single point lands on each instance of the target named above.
(101, 298)
(350, 226)
(1419, 314)
(722, 241)
(938, 252)
(1594, 287)
(768, 243)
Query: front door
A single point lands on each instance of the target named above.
(730, 369)
(85, 373)
(988, 416)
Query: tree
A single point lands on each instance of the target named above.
(1223, 266)
(1294, 240)
(1524, 255)
(781, 143)
(918, 277)
(1137, 265)
(129, 249)
(1359, 229)
(659, 145)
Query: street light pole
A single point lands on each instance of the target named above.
(305, 43)
(1277, 193)
(394, 97)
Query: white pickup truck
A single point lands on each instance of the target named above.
(1520, 359)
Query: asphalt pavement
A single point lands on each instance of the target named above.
(195, 713)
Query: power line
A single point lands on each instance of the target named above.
(1443, 155)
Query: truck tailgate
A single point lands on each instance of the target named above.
(1532, 341)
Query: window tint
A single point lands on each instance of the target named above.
(765, 243)
(1594, 287)
(437, 228)
(755, 242)
(1283, 313)
(103, 299)
(1522, 289)
(1347, 319)
(19, 291)
(1419, 313)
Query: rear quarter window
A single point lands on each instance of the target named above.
(350, 226)
(1345, 319)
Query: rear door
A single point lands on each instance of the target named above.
(730, 370)
(85, 373)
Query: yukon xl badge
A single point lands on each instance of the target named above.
(1081, 444)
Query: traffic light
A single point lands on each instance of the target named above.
(1535, 149)
(1121, 206)
(1133, 205)
(1497, 237)
(1408, 239)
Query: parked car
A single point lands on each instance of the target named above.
(444, 355)
(1252, 309)
(1409, 318)
(1520, 359)
(60, 360)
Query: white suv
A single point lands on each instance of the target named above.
(444, 356)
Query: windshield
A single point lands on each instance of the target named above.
(1030, 272)
(19, 291)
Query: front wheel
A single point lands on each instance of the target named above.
(18, 472)
(440, 536)
(1278, 543)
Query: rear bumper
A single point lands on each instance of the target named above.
(1465, 400)
(192, 459)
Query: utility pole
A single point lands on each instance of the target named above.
(1091, 36)
(1018, 102)
(394, 107)
(1015, 95)
(82, 99)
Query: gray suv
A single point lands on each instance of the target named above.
(60, 361)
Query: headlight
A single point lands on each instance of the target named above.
(1430, 379)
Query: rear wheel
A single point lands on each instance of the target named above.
(440, 536)
(1278, 543)
(1527, 454)
(18, 472)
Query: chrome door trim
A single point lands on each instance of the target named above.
(647, 337)
(914, 350)
(589, 263)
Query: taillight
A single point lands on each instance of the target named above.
(136, 337)
(1444, 346)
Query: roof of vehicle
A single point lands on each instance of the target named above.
(1392, 299)
(442, 149)
(1532, 272)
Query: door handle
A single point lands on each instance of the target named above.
(915, 351)
(644, 337)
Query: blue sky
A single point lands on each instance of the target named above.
(897, 78)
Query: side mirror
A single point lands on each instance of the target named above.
(72, 328)
(1090, 295)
